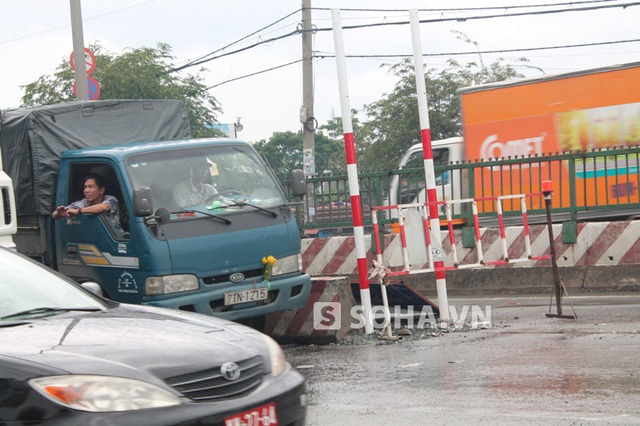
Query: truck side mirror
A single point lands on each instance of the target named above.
(142, 201)
(298, 183)
(163, 215)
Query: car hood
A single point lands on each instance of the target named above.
(131, 342)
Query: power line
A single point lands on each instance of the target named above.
(201, 58)
(321, 9)
(194, 63)
(472, 18)
(475, 52)
(255, 73)
(84, 20)
(467, 9)
(460, 19)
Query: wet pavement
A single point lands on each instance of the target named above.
(525, 369)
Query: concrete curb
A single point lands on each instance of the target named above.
(605, 257)
(539, 280)
(318, 322)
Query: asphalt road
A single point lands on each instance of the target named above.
(525, 369)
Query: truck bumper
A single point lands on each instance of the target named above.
(284, 293)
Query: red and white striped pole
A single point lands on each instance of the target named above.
(352, 171)
(432, 194)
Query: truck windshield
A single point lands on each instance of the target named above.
(199, 178)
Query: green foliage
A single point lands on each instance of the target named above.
(142, 73)
(334, 153)
(283, 152)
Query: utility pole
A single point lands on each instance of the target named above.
(82, 87)
(307, 119)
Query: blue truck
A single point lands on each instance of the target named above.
(215, 258)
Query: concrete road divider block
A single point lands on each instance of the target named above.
(326, 318)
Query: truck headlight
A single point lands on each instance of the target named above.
(287, 265)
(170, 284)
(101, 394)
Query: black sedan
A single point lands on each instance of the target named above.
(69, 357)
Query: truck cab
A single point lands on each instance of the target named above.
(209, 257)
(409, 189)
(8, 218)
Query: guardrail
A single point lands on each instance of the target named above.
(588, 185)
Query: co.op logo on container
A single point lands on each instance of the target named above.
(492, 148)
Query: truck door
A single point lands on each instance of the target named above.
(91, 247)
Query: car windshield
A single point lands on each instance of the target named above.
(188, 179)
(29, 288)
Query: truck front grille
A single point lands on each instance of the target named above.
(224, 278)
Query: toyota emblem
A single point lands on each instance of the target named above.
(230, 371)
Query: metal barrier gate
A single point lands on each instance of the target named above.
(380, 269)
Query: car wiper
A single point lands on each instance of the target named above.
(215, 216)
(47, 310)
(240, 203)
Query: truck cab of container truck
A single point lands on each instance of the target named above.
(8, 218)
(410, 188)
(235, 255)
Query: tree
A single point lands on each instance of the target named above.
(142, 73)
(283, 152)
(392, 123)
(336, 161)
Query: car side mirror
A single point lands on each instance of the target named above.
(93, 287)
(298, 183)
(142, 201)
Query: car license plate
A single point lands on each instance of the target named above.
(252, 295)
(264, 415)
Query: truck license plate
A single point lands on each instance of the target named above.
(264, 415)
(252, 295)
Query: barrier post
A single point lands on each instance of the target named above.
(352, 172)
(430, 179)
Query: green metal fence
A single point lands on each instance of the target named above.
(599, 184)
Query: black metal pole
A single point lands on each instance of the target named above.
(547, 190)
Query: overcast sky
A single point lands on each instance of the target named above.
(35, 36)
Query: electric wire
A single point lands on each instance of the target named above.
(254, 73)
(390, 56)
(476, 52)
(467, 9)
(405, 22)
(197, 60)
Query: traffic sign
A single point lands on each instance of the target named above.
(89, 59)
(93, 86)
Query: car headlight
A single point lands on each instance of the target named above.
(170, 284)
(287, 265)
(276, 356)
(103, 393)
